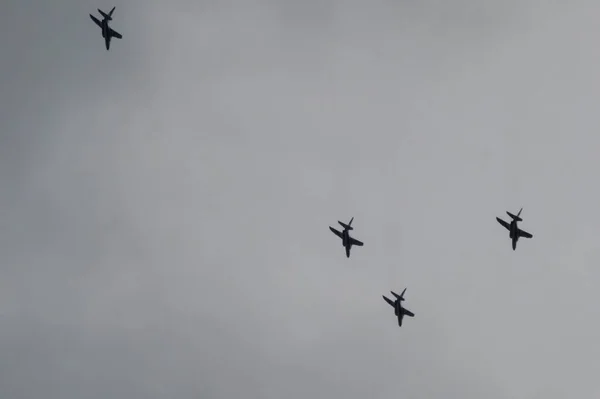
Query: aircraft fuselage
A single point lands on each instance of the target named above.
(514, 233)
(399, 312)
(104, 27)
(346, 242)
(106, 32)
(513, 230)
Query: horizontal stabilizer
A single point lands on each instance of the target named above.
(516, 217)
(401, 296)
(107, 16)
(104, 15)
(347, 226)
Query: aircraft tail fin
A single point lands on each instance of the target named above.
(347, 226)
(516, 217)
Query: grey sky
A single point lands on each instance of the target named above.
(165, 204)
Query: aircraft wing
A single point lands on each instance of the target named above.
(337, 233)
(354, 241)
(116, 34)
(96, 20)
(524, 234)
(503, 223)
(388, 300)
(408, 312)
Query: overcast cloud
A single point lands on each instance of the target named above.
(165, 205)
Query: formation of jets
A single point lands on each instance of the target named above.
(514, 232)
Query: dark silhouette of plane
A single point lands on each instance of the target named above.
(399, 311)
(347, 241)
(514, 231)
(107, 32)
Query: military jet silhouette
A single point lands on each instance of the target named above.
(514, 231)
(347, 241)
(107, 32)
(399, 311)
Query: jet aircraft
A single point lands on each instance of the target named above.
(399, 311)
(514, 231)
(107, 32)
(347, 241)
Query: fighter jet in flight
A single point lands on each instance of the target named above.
(107, 32)
(399, 311)
(347, 241)
(514, 231)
